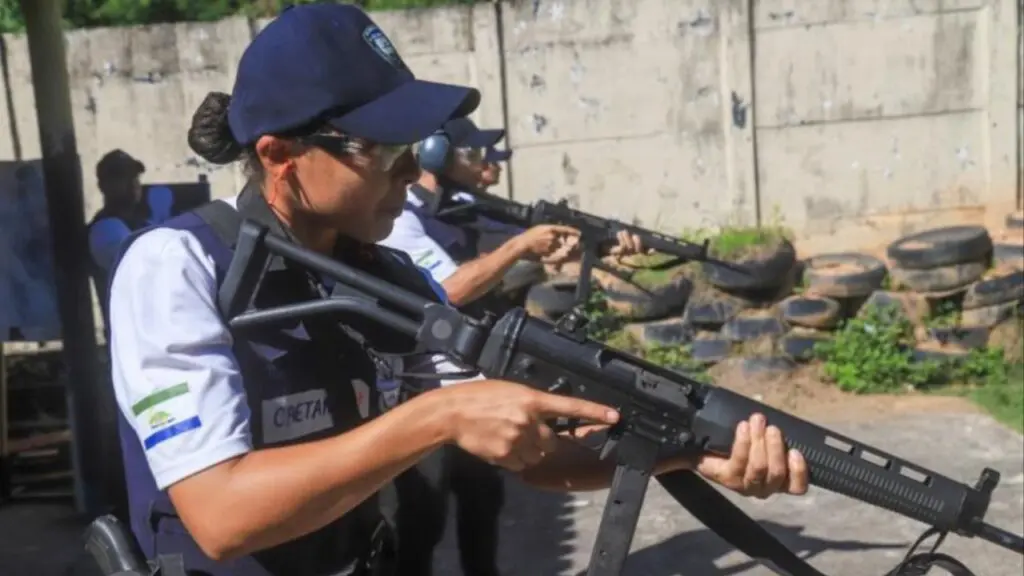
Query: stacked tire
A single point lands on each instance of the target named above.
(773, 310)
(941, 266)
(835, 286)
(1008, 243)
(652, 306)
(734, 313)
(627, 299)
(552, 298)
(645, 301)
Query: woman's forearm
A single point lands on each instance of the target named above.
(477, 277)
(276, 495)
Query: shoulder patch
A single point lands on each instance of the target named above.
(427, 259)
(164, 414)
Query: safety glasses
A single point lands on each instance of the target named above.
(471, 155)
(384, 156)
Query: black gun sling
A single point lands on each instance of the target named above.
(694, 494)
(744, 533)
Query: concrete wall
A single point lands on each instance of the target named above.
(851, 118)
(638, 109)
(875, 118)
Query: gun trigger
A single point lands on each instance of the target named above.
(608, 446)
(571, 424)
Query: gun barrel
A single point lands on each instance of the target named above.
(850, 468)
(1000, 537)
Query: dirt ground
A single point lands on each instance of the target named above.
(804, 393)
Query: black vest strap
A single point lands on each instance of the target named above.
(431, 201)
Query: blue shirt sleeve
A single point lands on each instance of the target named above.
(105, 238)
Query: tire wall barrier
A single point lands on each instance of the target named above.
(783, 307)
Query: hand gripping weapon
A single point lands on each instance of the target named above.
(661, 411)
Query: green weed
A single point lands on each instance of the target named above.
(873, 354)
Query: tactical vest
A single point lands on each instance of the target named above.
(457, 241)
(317, 366)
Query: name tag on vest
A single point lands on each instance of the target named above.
(296, 415)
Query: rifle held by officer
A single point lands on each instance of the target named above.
(597, 234)
(660, 410)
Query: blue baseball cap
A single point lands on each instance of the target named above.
(464, 133)
(331, 63)
(493, 155)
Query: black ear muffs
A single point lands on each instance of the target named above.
(435, 153)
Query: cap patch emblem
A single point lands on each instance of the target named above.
(382, 45)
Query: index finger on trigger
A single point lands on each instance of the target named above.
(555, 405)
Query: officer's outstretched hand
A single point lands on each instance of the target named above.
(759, 464)
(503, 422)
(548, 242)
(628, 244)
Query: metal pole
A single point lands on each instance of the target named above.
(503, 78)
(89, 397)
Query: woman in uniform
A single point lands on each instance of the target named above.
(261, 454)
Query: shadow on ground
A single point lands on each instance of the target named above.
(537, 534)
(699, 552)
(540, 538)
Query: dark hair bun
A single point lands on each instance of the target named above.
(210, 135)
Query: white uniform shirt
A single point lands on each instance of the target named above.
(175, 376)
(409, 236)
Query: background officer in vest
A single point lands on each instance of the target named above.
(441, 248)
(453, 253)
(479, 176)
(258, 454)
(468, 260)
(118, 178)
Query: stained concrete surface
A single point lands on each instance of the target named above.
(547, 534)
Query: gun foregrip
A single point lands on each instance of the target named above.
(113, 547)
(845, 466)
